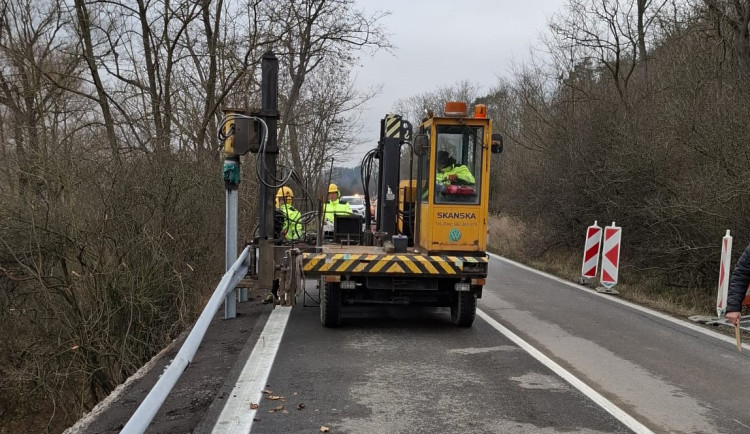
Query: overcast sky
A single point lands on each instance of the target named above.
(441, 42)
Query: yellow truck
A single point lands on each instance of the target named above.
(428, 245)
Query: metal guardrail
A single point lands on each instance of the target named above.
(145, 413)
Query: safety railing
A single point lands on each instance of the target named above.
(156, 397)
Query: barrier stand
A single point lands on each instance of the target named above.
(610, 259)
(591, 253)
(724, 267)
(723, 289)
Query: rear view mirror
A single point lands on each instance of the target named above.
(497, 143)
(421, 144)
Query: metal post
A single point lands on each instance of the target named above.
(231, 181)
(270, 113)
(390, 161)
(283, 269)
(294, 276)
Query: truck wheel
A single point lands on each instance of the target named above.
(330, 305)
(463, 309)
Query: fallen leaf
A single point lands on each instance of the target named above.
(266, 391)
(324, 429)
(253, 406)
(75, 347)
(285, 411)
(274, 397)
(294, 394)
(300, 406)
(277, 408)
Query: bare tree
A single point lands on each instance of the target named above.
(318, 30)
(613, 32)
(30, 49)
(327, 124)
(224, 55)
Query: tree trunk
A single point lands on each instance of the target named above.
(153, 90)
(743, 39)
(103, 99)
(642, 54)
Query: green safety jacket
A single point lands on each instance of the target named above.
(463, 175)
(333, 207)
(292, 228)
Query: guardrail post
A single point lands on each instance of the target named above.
(230, 301)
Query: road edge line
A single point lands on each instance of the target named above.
(590, 393)
(683, 323)
(237, 416)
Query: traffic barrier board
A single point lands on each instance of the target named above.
(610, 255)
(726, 257)
(591, 251)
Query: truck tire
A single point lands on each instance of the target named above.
(464, 309)
(330, 305)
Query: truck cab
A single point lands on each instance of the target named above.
(453, 182)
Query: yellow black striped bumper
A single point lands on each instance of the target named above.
(396, 264)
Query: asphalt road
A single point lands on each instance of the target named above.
(665, 374)
(401, 370)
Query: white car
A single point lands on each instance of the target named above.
(356, 203)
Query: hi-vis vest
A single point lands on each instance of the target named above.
(463, 175)
(334, 207)
(292, 228)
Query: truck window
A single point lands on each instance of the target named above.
(458, 164)
(424, 169)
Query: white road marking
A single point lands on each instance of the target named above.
(657, 314)
(468, 351)
(237, 416)
(601, 401)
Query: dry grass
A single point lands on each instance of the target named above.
(506, 239)
(506, 235)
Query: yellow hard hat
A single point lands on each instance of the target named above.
(333, 188)
(284, 192)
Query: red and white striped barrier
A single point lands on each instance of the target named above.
(610, 255)
(591, 251)
(726, 258)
